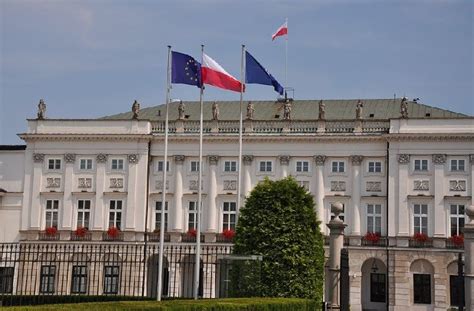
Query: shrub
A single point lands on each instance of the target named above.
(51, 231)
(80, 232)
(228, 234)
(420, 237)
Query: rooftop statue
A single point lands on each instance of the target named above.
(287, 110)
(181, 110)
(322, 110)
(359, 106)
(41, 110)
(135, 109)
(215, 111)
(250, 111)
(404, 108)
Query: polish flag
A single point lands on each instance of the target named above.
(214, 74)
(283, 30)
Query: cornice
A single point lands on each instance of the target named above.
(429, 137)
(84, 137)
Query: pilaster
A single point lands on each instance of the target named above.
(67, 208)
(356, 182)
(35, 208)
(469, 258)
(319, 170)
(133, 184)
(403, 211)
(439, 212)
(100, 222)
(212, 209)
(176, 215)
(284, 162)
(247, 159)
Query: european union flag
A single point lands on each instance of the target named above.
(255, 73)
(185, 69)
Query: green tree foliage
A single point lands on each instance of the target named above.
(278, 222)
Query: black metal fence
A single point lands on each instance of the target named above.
(113, 269)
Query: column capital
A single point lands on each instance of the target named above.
(247, 159)
(284, 159)
(320, 159)
(439, 158)
(133, 158)
(357, 159)
(213, 159)
(102, 158)
(69, 158)
(179, 159)
(38, 157)
(403, 158)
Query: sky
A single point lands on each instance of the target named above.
(89, 59)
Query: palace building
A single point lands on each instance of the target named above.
(402, 170)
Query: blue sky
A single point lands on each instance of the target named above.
(93, 58)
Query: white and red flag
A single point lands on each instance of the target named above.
(214, 74)
(282, 31)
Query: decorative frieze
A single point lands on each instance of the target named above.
(457, 185)
(213, 159)
(320, 159)
(193, 185)
(284, 159)
(230, 185)
(179, 159)
(247, 159)
(84, 183)
(357, 159)
(53, 182)
(116, 182)
(439, 158)
(133, 158)
(69, 158)
(373, 186)
(159, 185)
(338, 186)
(421, 185)
(101, 158)
(403, 158)
(38, 157)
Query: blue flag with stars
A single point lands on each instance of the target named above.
(255, 73)
(185, 69)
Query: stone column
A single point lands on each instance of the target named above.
(439, 215)
(176, 217)
(403, 214)
(469, 258)
(320, 159)
(134, 182)
(247, 159)
(212, 210)
(69, 160)
(284, 162)
(99, 222)
(336, 231)
(471, 160)
(356, 162)
(36, 209)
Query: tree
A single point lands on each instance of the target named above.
(279, 223)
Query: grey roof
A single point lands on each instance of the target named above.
(301, 110)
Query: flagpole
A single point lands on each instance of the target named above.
(199, 203)
(286, 55)
(165, 167)
(239, 178)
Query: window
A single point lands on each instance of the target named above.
(194, 166)
(375, 167)
(457, 218)
(377, 287)
(47, 279)
(158, 206)
(79, 280)
(457, 165)
(265, 166)
(374, 218)
(51, 214)
(302, 166)
(422, 288)
(117, 164)
(115, 214)
(421, 165)
(111, 279)
(192, 220)
(6, 280)
(456, 285)
(420, 218)
(229, 216)
(83, 213)
(341, 215)
(160, 166)
(54, 164)
(85, 164)
(230, 166)
(338, 167)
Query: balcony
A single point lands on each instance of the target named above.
(452, 244)
(43, 236)
(190, 238)
(155, 237)
(420, 244)
(381, 242)
(118, 237)
(221, 238)
(86, 236)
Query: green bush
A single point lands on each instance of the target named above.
(17, 300)
(279, 223)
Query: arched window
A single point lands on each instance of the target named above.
(422, 271)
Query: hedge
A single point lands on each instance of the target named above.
(19, 300)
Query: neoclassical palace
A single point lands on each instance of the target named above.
(402, 170)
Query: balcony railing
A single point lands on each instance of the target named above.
(155, 237)
(420, 244)
(220, 238)
(112, 238)
(451, 245)
(43, 236)
(87, 236)
(189, 238)
(381, 242)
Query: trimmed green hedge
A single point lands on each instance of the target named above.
(236, 304)
(21, 300)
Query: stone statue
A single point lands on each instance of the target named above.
(41, 110)
(181, 110)
(215, 111)
(322, 110)
(359, 110)
(287, 110)
(135, 109)
(404, 108)
(250, 111)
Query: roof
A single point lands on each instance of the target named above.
(338, 109)
(12, 147)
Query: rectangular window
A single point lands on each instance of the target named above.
(422, 288)
(194, 166)
(83, 213)
(230, 166)
(115, 214)
(457, 165)
(374, 218)
(229, 216)
(54, 164)
(51, 213)
(117, 164)
(6, 280)
(302, 166)
(192, 220)
(421, 165)
(420, 218)
(79, 280)
(85, 164)
(158, 206)
(47, 279)
(111, 279)
(377, 287)
(375, 167)
(160, 166)
(265, 166)
(457, 218)
(456, 285)
(338, 167)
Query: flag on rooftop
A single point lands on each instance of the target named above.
(283, 30)
(214, 74)
(257, 74)
(185, 69)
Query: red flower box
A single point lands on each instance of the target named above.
(457, 240)
(420, 237)
(113, 232)
(80, 232)
(228, 233)
(373, 237)
(51, 231)
(192, 232)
